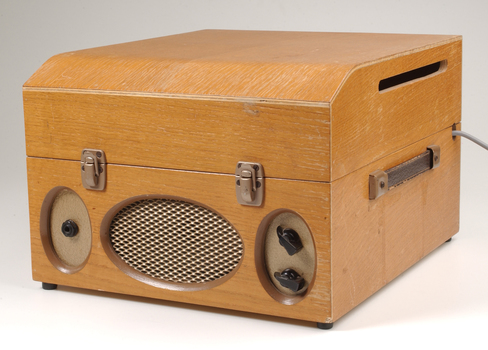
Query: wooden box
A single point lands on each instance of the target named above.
(317, 115)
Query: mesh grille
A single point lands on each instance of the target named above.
(175, 241)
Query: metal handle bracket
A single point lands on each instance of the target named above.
(381, 181)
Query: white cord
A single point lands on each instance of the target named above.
(470, 137)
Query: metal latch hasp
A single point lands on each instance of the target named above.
(249, 183)
(93, 169)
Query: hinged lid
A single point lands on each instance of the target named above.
(205, 100)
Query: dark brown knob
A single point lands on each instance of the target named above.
(289, 239)
(290, 279)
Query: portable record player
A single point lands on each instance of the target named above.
(285, 173)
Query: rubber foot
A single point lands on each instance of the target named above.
(324, 325)
(450, 239)
(49, 286)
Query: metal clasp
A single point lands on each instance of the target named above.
(93, 169)
(249, 183)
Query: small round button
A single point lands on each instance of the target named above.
(69, 228)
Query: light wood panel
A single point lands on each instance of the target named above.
(243, 291)
(262, 64)
(193, 127)
(368, 124)
(304, 105)
(373, 241)
(290, 141)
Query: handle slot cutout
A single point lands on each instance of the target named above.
(412, 76)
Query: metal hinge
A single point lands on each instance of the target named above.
(249, 183)
(93, 169)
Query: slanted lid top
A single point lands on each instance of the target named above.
(301, 66)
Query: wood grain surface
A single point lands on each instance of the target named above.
(290, 141)
(241, 292)
(261, 64)
(174, 115)
(368, 124)
(140, 103)
(373, 241)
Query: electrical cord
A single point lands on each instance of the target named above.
(470, 137)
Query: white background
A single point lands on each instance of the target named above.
(440, 302)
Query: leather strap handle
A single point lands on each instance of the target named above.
(381, 181)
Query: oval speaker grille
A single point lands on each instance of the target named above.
(175, 241)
